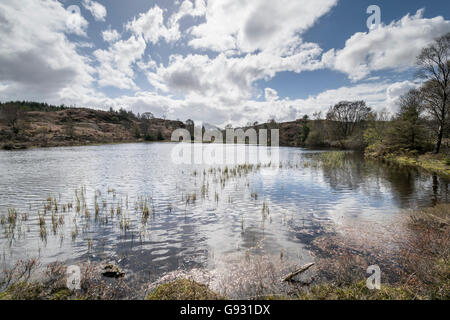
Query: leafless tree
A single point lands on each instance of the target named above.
(11, 115)
(69, 128)
(346, 115)
(434, 66)
(147, 116)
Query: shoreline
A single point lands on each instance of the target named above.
(20, 146)
(428, 162)
(424, 275)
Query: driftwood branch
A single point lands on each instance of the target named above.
(297, 272)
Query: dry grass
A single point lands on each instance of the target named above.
(183, 289)
(427, 256)
(422, 267)
(27, 281)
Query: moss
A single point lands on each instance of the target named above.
(22, 291)
(5, 296)
(357, 291)
(183, 289)
(63, 294)
(277, 298)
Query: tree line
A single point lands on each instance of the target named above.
(421, 125)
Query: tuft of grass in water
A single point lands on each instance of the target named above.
(333, 159)
(42, 227)
(75, 233)
(265, 209)
(12, 217)
(216, 197)
(90, 245)
(96, 208)
(145, 213)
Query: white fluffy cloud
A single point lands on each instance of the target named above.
(110, 35)
(187, 8)
(116, 64)
(230, 80)
(254, 40)
(393, 46)
(97, 10)
(270, 94)
(37, 61)
(247, 26)
(152, 27)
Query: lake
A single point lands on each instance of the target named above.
(132, 204)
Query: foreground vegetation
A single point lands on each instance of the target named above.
(425, 275)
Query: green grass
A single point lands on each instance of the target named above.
(22, 291)
(183, 289)
(429, 164)
(357, 291)
(438, 164)
(332, 159)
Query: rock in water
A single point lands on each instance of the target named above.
(112, 271)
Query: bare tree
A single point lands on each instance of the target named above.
(147, 116)
(434, 64)
(11, 115)
(346, 115)
(69, 128)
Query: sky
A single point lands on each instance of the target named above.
(214, 61)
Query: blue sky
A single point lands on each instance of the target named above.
(217, 61)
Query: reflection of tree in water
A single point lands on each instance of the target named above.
(347, 175)
(408, 186)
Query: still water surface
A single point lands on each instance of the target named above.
(195, 213)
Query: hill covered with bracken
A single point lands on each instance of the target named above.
(29, 124)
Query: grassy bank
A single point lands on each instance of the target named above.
(435, 164)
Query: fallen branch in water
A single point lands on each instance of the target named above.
(301, 270)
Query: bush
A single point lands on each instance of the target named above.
(137, 132)
(149, 137)
(160, 136)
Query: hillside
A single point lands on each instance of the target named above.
(30, 124)
(25, 125)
